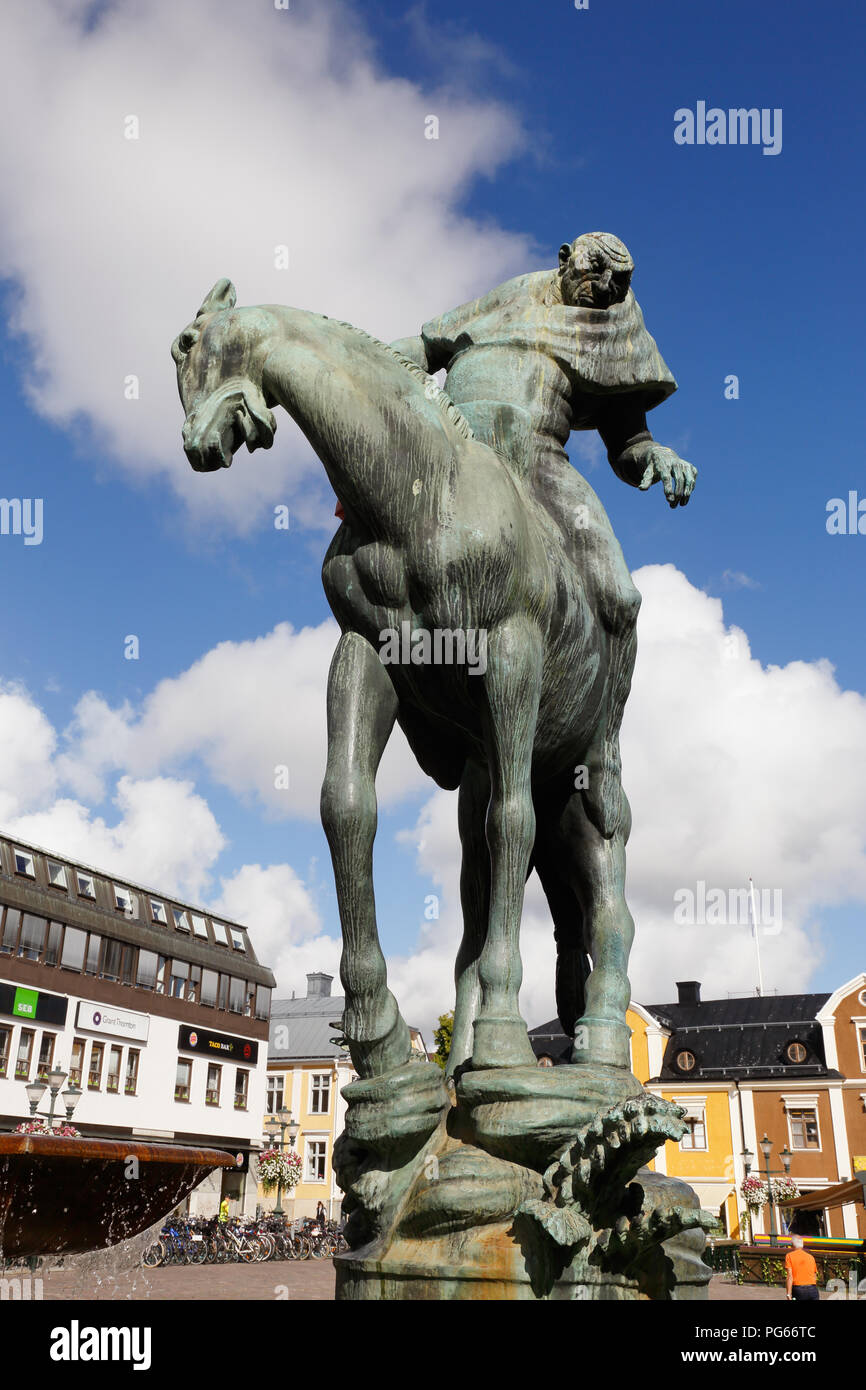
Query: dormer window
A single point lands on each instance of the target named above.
(686, 1060)
(157, 912)
(86, 887)
(796, 1052)
(124, 900)
(57, 875)
(24, 863)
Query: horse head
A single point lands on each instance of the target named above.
(219, 382)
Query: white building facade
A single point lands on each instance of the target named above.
(157, 1011)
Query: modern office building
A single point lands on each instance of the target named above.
(157, 1010)
(788, 1066)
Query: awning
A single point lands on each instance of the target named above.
(837, 1196)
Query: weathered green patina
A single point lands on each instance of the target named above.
(462, 516)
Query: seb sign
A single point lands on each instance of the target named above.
(119, 1023)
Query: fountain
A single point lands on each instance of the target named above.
(64, 1196)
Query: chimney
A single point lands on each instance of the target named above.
(688, 991)
(319, 986)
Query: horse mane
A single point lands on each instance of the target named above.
(441, 398)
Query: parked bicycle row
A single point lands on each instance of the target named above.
(198, 1241)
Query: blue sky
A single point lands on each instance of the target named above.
(745, 265)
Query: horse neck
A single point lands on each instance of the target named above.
(348, 392)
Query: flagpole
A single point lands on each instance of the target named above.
(754, 916)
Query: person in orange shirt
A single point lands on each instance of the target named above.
(801, 1271)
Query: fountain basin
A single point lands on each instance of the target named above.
(64, 1196)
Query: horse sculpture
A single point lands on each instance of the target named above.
(440, 532)
(442, 535)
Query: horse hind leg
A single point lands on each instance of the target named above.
(472, 804)
(572, 961)
(594, 865)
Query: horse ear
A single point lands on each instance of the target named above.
(222, 296)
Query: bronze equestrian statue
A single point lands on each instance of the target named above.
(462, 514)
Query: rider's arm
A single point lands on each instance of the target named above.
(623, 429)
(634, 455)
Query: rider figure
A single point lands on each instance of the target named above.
(572, 345)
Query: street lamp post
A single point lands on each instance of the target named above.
(767, 1149)
(282, 1123)
(36, 1090)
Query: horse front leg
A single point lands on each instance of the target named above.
(512, 688)
(362, 708)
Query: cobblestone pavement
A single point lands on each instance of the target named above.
(289, 1280)
(278, 1279)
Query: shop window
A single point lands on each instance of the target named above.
(46, 1056)
(242, 1082)
(212, 1092)
(76, 1065)
(24, 1055)
(131, 1082)
(183, 1079)
(94, 1071)
(112, 1080)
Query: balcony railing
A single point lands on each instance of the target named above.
(22, 1071)
(93, 1080)
(181, 1092)
(212, 1097)
(129, 1086)
(240, 1102)
(113, 1084)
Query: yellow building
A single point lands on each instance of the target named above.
(791, 1067)
(306, 1073)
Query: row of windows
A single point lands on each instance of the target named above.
(103, 1066)
(84, 885)
(319, 1098)
(802, 1128)
(90, 953)
(183, 1085)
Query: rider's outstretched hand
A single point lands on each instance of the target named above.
(662, 465)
